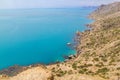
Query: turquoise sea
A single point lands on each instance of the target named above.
(30, 36)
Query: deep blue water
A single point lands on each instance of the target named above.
(32, 36)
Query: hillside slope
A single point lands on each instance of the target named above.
(105, 10)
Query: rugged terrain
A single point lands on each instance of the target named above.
(98, 53)
(105, 10)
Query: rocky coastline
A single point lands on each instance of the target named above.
(97, 58)
(16, 69)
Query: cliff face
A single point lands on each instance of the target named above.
(99, 52)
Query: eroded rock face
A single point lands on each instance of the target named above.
(36, 73)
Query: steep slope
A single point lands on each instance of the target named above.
(99, 48)
(99, 53)
(105, 10)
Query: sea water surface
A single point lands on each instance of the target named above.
(30, 36)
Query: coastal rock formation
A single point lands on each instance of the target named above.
(99, 48)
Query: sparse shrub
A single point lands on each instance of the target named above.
(96, 59)
(98, 65)
(70, 72)
(103, 71)
(118, 68)
(74, 66)
(61, 73)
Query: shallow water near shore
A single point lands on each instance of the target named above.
(30, 36)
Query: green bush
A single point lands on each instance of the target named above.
(96, 59)
(74, 66)
(103, 70)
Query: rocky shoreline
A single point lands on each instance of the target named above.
(16, 69)
(98, 53)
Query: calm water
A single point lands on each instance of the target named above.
(38, 35)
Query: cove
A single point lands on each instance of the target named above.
(30, 36)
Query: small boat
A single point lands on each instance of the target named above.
(68, 43)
